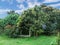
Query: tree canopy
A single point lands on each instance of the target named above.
(35, 19)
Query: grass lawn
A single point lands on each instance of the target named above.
(41, 40)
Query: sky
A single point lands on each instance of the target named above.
(20, 5)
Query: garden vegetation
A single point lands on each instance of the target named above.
(32, 22)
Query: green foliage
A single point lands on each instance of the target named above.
(10, 23)
(11, 18)
(11, 31)
(32, 19)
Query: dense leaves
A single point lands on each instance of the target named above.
(32, 21)
(11, 18)
(10, 23)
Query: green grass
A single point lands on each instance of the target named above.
(41, 40)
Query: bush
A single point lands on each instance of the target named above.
(1, 31)
(10, 31)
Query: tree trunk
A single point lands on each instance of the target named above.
(21, 32)
(30, 33)
(36, 34)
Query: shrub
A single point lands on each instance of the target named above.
(10, 31)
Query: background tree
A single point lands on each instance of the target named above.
(11, 18)
(10, 23)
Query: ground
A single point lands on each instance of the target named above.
(41, 40)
